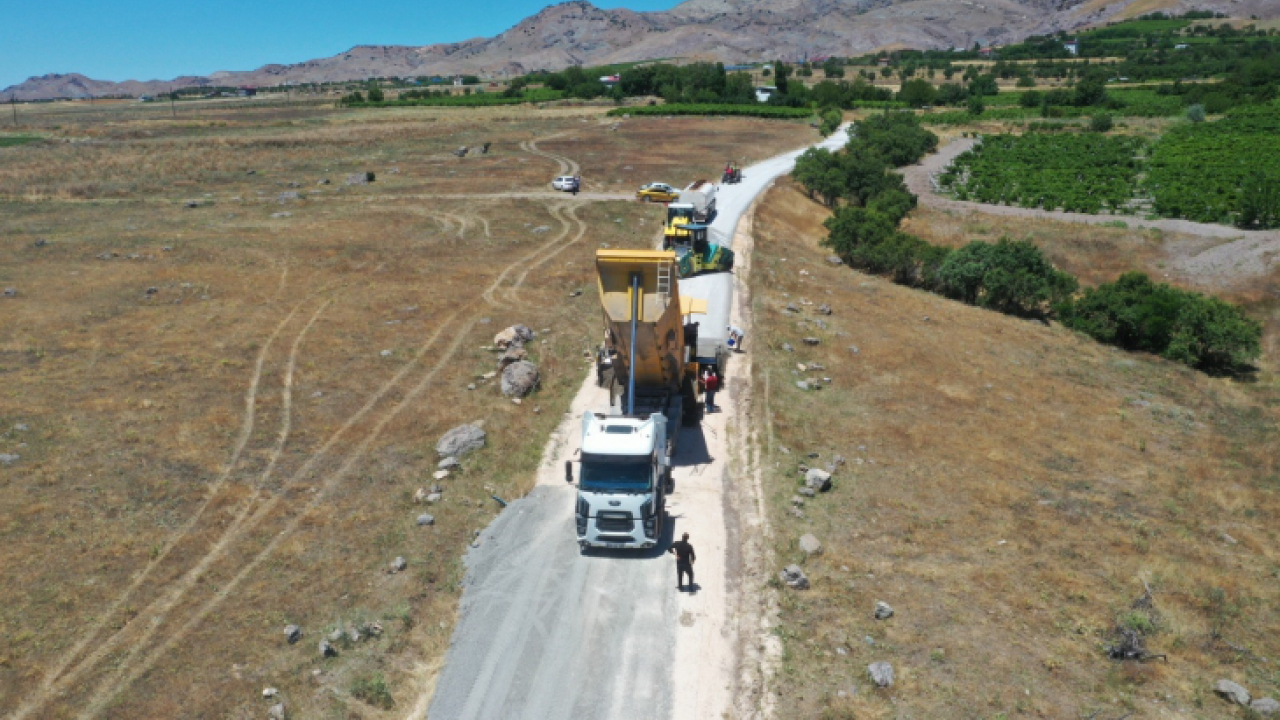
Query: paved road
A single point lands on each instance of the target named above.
(545, 632)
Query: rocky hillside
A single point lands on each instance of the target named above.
(729, 30)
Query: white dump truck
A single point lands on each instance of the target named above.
(625, 463)
(701, 196)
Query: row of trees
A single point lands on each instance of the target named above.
(1013, 277)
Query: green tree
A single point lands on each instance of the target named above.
(975, 105)
(375, 94)
(829, 122)
(1101, 122)
(820, 172)
(1211, 335)
(1031, 99)
(1010, 276)
(917, 92)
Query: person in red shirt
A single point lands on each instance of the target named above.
(710, 384)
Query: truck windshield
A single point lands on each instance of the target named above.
(615, 473)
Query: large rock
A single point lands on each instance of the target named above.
(514, 335)
(327, 649)
(292, 633)
(809, 544)
(883, 610)
(1265, 706)
(460, 441)
(819, 480)
(881, 674)
(9, 459)
(514, 354)
(1232, 691)
(794, 577)
(519, 379)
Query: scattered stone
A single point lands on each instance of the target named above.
(1228, 539)
(797, 512)
(440, 474)
(398, 565)
(819, 480)
(449, 463)
(167, 248)
(1265, 706)
(9, 459)
(514, 354)
(462, 151)
(276, 712)
(192, 203)
(519, 379)
(251, 172)
(327, 649)
(514, 335)
(11, 292)
(385, 353)
(21, 427)
(883, 611)
(809, 544)
(323, 181)
(292, 633)
(1232, 692)
(786, 347)
(425, 520)
(461, 440)
(792, 308)
(794, 577)
(824, 309)
(153, 290)
(881, 674)
(853, 349)
(335, 635)
(812, 341)
(834, 260)
(353, 634)
(797, 500)
(270, 692)
(807, 492)
(802, 384)
(41, 243)
(281, 214)
(373, 628)
(363, 178)
(288, 195)
(433, 498)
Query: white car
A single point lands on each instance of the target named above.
(567, 183)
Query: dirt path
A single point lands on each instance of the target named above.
(1242, 253)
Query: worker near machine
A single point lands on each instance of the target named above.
(685, 556)
(735, 337)
(710, 384)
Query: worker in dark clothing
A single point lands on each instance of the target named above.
(684, 560)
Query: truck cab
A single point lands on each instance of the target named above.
(623, 479)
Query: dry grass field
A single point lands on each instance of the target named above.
(221, 413)
(1008, 490)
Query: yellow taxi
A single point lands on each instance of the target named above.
(657, 192)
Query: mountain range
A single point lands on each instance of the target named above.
(579, 33)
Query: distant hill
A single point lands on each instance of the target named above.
(727, 30)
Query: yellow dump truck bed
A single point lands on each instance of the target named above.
(645, 279)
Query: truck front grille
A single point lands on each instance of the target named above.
(614, 522)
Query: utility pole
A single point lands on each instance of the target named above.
(13, 103)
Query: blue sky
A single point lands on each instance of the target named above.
(149, 39)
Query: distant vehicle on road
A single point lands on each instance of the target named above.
(567, 183)
(657, 192)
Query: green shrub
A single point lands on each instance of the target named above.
(1135, 313)
(373, 690)
(975, 105)
(1101, 123)
(830, 121)
(375, 94)
(1010, 276)
(1195, 113)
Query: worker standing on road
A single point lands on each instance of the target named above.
(735, 337)
(710, 384)
(684, 560)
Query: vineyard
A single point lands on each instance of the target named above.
(1086, 172)
(761, 111)
(1205, 171)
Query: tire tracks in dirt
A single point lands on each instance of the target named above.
(246, 431)
(129, 671)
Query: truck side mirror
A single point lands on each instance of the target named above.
(568, 471)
